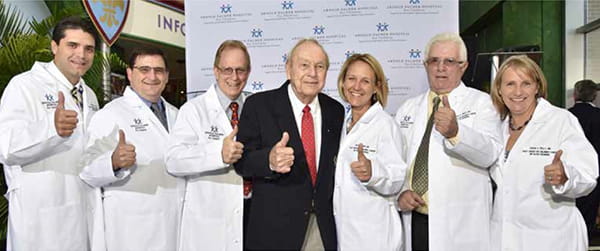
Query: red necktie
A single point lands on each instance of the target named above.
(234, 122)
(308, 143)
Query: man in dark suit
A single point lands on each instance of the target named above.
(589, 118)
(291, 137)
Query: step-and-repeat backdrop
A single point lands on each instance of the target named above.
(394, 31)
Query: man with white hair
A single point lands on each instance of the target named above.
(446, 201)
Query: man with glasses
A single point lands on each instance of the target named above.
(141, 202)
(291, 137)
(203, 147)
(446, 201)
(43, 115)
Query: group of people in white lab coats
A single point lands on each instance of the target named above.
(140, 175)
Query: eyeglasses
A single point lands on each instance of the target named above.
(148, 69)
(229, 71)
(448, 62)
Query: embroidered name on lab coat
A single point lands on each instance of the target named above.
(139, 126)
(406, 121)
(465, 115)
(539, 151)
(214, 133)
(366, 148)
(50, 102)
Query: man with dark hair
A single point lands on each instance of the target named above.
(203, 148)
(589, 117)
(291, 137)
(128, 139)
(43, 116)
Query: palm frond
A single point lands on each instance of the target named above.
(11, 22)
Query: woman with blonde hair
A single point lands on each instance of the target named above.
(369, 170)
(547, 163)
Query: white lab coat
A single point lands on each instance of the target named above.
(46, 197)
(529, 214)
(365, 212)
(142, 204)
(460, 192)
(213, 208)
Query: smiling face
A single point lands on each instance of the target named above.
(232, 72)
(444, 75)
(307, 71)
(148, 76)
(359, 86)
(74, 54)
(518, 92)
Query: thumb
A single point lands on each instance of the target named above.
(121, 137)
(61, 101)
(361, 153)
(233, 133)
(446, 102)
(557, 155)
(284, 139)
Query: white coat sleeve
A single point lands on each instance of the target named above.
(27, 133)
(190, 151)
(103, 140)
(388, 168)
(479, 144)
(579, 160)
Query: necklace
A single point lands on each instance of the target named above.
(512, 127)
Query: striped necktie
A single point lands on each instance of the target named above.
(77, 93)
(420, 179)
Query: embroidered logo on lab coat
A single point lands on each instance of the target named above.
(49, 102)
(406, 121)
(139, 125)
(214, 133)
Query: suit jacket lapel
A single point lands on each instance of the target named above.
(327, 136)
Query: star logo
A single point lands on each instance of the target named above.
(257, 85)
(319, 30)
(287, 5)
(137, 121)
(214, 129)
(350, 2)
(226, 8)
(349, 53)
(49, 97)
(256, 32)
(414, 1)
(414, 53)
(382, 27)
(284, 58)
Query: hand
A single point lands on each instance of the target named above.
(124, 154)
(65, 121)
(281, 157)
(361, 168)
(445, 120)
(409, 200)
(232, 150)
(555, 173)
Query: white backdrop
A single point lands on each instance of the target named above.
(394, 31)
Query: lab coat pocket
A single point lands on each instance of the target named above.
(61, 228)
(147, 228)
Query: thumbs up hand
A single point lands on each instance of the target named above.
(281, 157)
(362, 167)
(124, 154)
(65, 121)
(445, 120)
(555, 172)
(232, 150)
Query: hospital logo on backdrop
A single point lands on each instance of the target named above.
(382, 27)
(257, 85)
(256, 33)
(284, 58)
(349, 53)
(350, 2)
(226, 8)
(414, 53)
(319, 30)
(414, 1)
(287, 5)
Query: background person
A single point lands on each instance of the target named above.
(369, 169)
(546, 164)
